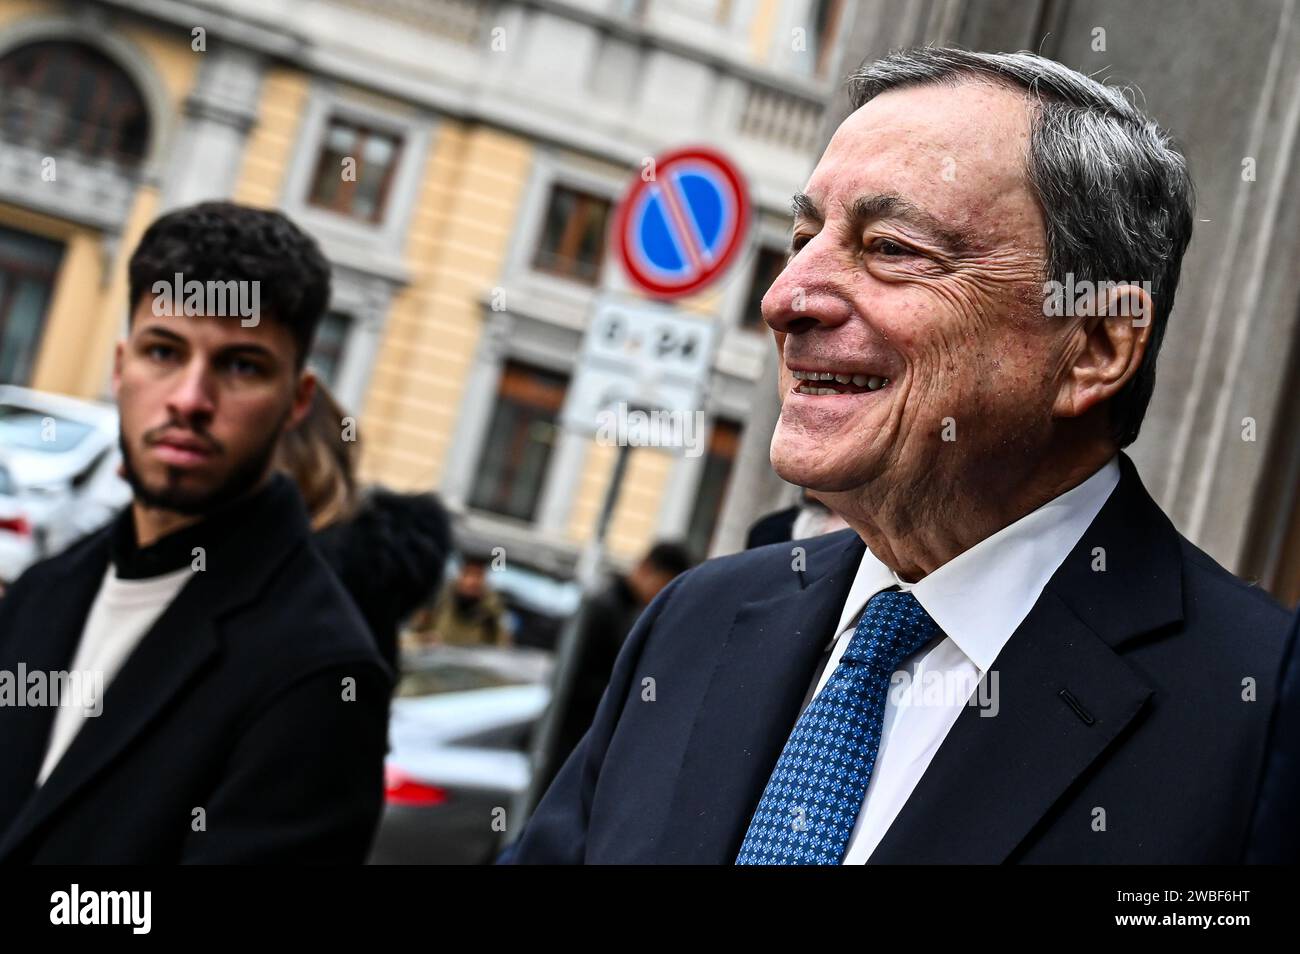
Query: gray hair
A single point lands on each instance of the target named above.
(1114, 190)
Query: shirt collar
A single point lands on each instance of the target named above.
(982, 595)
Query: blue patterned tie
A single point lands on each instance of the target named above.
(812, 800)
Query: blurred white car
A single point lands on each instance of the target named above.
(61, 456)
(17, 543)
(459, 737)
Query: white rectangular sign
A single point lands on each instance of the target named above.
(640, 354)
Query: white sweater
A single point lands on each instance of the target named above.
(123, 611)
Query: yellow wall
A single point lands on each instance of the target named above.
(271, 141)
(459, 233)
(172, 59)
(760, 30)
(13, 10)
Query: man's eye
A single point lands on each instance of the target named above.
(798, 242)
(160, 352)
(243, 368)
(890, 248)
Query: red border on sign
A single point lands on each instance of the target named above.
(619, 236)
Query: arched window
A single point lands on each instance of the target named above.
(68, 97)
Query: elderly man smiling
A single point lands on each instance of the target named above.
(1089, 677)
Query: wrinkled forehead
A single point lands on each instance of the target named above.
(960, 151)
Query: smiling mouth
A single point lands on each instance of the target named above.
(820, 383)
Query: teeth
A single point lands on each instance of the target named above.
(870, 382)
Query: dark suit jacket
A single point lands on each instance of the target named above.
(1275, 831)
(1121, 692)
(231, 703)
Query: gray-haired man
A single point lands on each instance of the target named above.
(1012, 655)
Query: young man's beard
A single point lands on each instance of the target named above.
(243, 478)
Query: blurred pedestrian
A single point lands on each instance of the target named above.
(389, 550)
(808, 518)
(245, 713)
(604, 620)
(468, 612)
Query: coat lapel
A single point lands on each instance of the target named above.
(44, 640)
(750, 706)
(169, 655)
(996, 775)
(175, 650)
(1064, 692)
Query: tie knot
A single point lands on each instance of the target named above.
(893, 627)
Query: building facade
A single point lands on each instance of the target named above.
(488, 143)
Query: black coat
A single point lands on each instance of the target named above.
(233, 703)
(390, 556)
(1275, 831)
(604, 620)
(776, 527)
(1121, 690)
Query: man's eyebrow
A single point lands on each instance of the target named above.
(891, 205)
(240, 347)
(249, 348)
(803, 207)
(162, 332)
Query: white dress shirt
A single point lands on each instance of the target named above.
(978, 599)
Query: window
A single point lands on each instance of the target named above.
(327, 349)
(520, 437)
(573, 236)
(354, 172)
(67, 96)
(724, 443)
(27, 268)
(767, 269)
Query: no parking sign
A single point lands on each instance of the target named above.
(678, 229)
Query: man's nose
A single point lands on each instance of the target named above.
(193, 395)
(805, 295)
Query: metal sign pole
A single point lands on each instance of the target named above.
(623, 339)
(569, 650)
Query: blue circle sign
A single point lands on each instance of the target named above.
(679, 230)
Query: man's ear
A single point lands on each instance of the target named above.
(303, 393)
(1108, 349)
